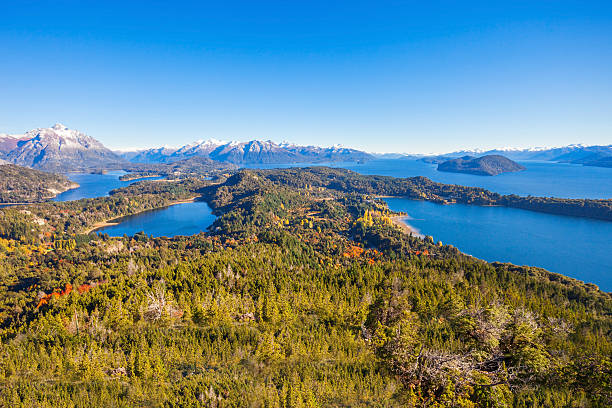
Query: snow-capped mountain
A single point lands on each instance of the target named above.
(252, 152)
(56, 149)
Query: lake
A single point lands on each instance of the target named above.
(575, 247)
(95, 185)
(540, 178)
(179, 219)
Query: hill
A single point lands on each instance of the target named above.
(491, 165)
(23, 185)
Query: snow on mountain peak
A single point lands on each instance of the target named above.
(59, 126)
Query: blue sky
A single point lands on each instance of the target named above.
(403, 76)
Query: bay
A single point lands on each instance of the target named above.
(95, 185)
(572, 246)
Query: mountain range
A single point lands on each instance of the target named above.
(251, 152)
(61, 149)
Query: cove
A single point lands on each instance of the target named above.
(179, 219)
(95, 185)
(576, 247)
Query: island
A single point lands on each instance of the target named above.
(490, 165)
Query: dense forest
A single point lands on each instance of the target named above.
(23, 185)
(302, 295)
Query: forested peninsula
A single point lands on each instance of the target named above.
(24, 185)
(422, 188)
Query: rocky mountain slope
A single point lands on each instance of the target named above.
(490, 165)
(57, 149)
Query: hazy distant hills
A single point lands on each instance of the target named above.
(56, 149)
(252, 152)
(578, 154)
(490, 165)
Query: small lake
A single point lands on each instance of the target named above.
(575, 247)
(179, 219)
(95, 185)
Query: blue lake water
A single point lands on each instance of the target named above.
(180, 219)
(95, 185)
(575, 247)
(539, 179)
(547, 179)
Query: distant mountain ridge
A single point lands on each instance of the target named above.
(251, 152)
(56, 149)
(600, 156)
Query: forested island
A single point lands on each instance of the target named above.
(24, 185)
(490, 165)
(303, 293)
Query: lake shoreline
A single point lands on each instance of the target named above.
(124, 178)
(400, 222)
(111, 222)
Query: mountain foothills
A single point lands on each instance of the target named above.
(23, 185)
(305, 293)
(490, 165)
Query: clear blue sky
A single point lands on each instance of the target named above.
(405, 76)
